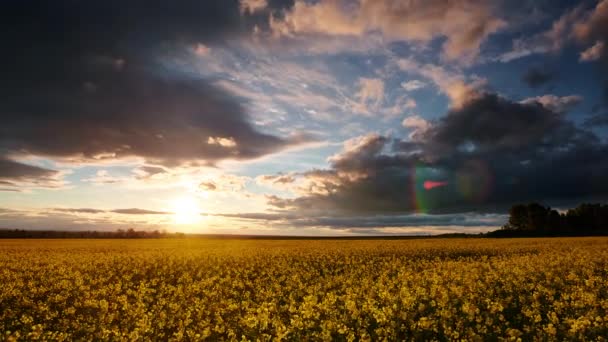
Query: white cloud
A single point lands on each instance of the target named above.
(593, 53)
(226, 183)
(221, 141)
(103, 177)
(202, 50)
(418, 125)
(413, 85)
(252, 6)
(558, 104)
(453, 84)
(370, 95)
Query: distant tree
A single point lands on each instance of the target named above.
(518, 217)
(588, 217)
(531, 217)
(555, 221)
(535, 219)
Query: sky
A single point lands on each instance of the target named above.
(327, 117)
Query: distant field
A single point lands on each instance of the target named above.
(194, 289)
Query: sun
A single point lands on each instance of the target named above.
(186, 210)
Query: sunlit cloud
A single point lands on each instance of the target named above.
(471, 22)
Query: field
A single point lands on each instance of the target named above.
(196, 289)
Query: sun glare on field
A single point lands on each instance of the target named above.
(186, 210)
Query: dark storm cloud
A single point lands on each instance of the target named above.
(492, 124)
(490, 153)
(596, 120)
(10, 169)
(536, 77)
(82, 80)
(16, 176)
(134, 114)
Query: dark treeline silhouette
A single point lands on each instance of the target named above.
(55, 234)
(536, 220)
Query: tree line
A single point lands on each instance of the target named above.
(536, 220)
(56, 234)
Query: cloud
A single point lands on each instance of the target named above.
(79, 210)
(17, 176)
(489, 153)
(400, 105)
(593, 26)
(548, 41)
(137, 211)
(470, 22)
(127, 211)
(591, 31)
(413, 85)
(224, 142)
(202, 49)
(418, 125)
(355, 223)
(208, 186)
(495, 125)
(276, 179)
(276, 88)
(14, 170)
(103, 177)
(148, 171)
(558, 104)
(579, 25)
(133, 114)
(597, 120)
(535, 77)
(102, 94)
(79, 219)
(453, 84)
(252, 6)
(224, 183)
(370, 95)
(593, 53)
(352, 160)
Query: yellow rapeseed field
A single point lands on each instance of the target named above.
(205, 289)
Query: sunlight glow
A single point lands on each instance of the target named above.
(186, 210)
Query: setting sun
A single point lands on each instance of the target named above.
(186, 210)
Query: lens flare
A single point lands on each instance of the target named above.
(474, 180)
(419, 185)
(429, 184)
